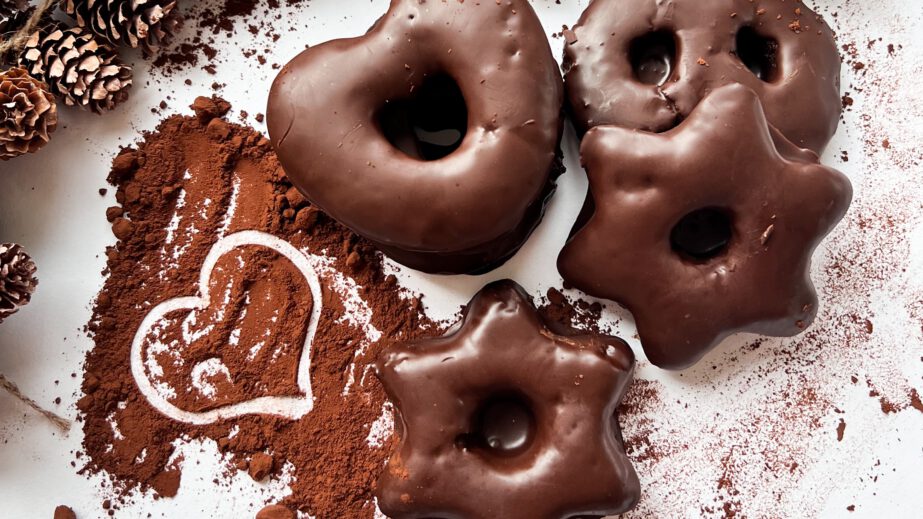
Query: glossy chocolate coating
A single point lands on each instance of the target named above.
(568, 462)
(468, 211)
(716, 42)
(780, 201)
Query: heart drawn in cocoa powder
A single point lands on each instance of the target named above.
(291, 407)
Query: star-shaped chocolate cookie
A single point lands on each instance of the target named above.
(503, 417)
(705, 230)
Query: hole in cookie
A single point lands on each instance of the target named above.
(504, 425)
(653, 57)
(758, 53)
(703, 234)
(430, 124)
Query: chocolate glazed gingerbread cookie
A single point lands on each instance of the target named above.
(507, 416)
(646, 64)
(705, 230)
(435, 135)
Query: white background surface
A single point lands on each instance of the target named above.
(49, 203)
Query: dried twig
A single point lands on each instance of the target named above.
(59, 422)
(16, 42)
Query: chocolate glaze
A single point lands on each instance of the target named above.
(621, 50)
(779, 201)
(546, 400)
(468, 211)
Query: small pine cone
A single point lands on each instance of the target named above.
(17, 279)
(83, 71)
(28, 114)
(135, 23)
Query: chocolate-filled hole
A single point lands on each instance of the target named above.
(503, 425)
(758, 53)
(653, 57)
(431, 123)
(703, 234)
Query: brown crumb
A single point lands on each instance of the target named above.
(275, 512)
(166, 484)
(122, 228)
(64, 512)
(260, 466)
(208, 108)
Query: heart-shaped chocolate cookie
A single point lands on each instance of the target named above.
(435, 135)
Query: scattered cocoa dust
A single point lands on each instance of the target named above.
(207, 23)
(192, 181)
(641, 400)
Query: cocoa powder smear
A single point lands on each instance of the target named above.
(239, 336)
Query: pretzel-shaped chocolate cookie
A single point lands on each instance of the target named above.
(435, 135)
(646, 64)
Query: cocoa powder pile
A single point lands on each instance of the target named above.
(192, 182)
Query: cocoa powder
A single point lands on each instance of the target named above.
(192, 182)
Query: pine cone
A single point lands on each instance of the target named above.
(28, 114)
(83, 71)
(144, 23)
(17, 279)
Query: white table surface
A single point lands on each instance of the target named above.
(49, 203)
